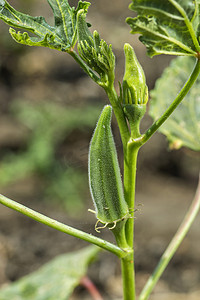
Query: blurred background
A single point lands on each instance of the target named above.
(48, 110)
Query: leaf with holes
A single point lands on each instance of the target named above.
(183, 126)
(62, 36)
(167, 27)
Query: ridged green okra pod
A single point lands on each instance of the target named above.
(95, 51)
(104, 175)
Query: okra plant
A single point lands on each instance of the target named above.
(170, 27)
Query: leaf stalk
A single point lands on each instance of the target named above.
(62, 227)
(156, 125)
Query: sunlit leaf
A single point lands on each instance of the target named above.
(55, 280)
(183, 126)
(62, 36)
(167, 26)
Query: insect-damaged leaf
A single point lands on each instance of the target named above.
(62, 36)
(167, 26)
(183, 126)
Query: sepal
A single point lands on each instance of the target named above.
(134, 114)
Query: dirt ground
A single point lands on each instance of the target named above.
(166, 181)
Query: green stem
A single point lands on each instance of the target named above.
(118, 111)
(128, 272)
(128, 276)
(83, 65)
(62, 227)
(120, 236)
(174, 104)
(130, 167)
(173, 246)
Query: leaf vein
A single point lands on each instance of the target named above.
(153, 9)
(63, 18)
(187, 22)
(170, 39)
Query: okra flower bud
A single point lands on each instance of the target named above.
(134, 92)
(93, 50)
(104, 175)
(134, 87)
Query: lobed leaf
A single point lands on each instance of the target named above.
(55, 280)
(183, 126)
(167, 27)
(62, 36)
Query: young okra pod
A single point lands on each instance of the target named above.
(104, 175)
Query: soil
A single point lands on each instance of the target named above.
(166, 181)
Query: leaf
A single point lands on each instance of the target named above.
(183, 126)
(168, 26)
(55, 280)
(62, 36)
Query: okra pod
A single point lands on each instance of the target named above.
(104, 174)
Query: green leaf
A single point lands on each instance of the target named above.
(183, 126)
(62, 36)
(55, 280)
(167, 26)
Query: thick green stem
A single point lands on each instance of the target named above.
(128, 272)
(128, 277)
(130, 167)
(120, 236)
(174, 104)
(62, 227)
(173, 246)
(119, 114)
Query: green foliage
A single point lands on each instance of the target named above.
(167, 27)
(55, 280)
(62, 36)
(49, 125)
(183, 126)
(104, 174)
